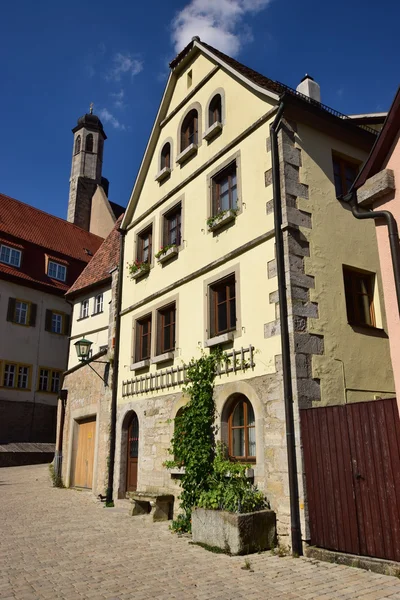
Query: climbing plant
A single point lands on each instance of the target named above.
(193, 442)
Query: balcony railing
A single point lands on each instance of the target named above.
(234, 361)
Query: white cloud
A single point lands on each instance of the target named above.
(124, 64)
(217, 22)
(118, 99)
(107, 117)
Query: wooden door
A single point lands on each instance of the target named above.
(83, 474)
(133, 453)
(352, 466)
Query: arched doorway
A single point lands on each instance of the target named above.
(239, 428)
(133, 454)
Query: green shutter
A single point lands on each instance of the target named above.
(48, 319)
(11, 309)
(32, 315)
(66, 322)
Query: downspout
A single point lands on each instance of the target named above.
(113, 426)
(297, 547)
(393, 231)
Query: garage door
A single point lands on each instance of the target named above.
(83, 473)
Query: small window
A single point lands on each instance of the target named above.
(345, 172)
(223, 306)
(21, 312)
(215, 110)
(359, 291)
(49, 380)
(242, 431)
(166, 329)
(166, 156)
(98, 304)
(144, 246)
(10, 256)
(143, 338)
(16, 376)
(56, 271)
(224, 190)
(189, 131)
(78, 144)
(57, 323)
(89, 143)
(84, 309)
(172, 226)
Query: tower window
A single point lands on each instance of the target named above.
(78, 144)
(166, 156)
(215, 110)
(189, 132)
(89, 143)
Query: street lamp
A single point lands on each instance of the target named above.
(83, 349)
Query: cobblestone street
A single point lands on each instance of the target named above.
(59, 543)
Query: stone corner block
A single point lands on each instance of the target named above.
(375, 187)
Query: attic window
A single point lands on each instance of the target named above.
(10, 256)
(189, 78)
(56, 271)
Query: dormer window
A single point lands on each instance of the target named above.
(166, 156)
(215, 110)
(89, 143)
(56, 271)
(78, 144)
(10, 256)
(189, 131)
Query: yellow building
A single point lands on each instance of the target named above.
(200, 229)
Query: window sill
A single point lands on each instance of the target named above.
(213, 131)
(81, 319)
(177, 471)
(162, 175)
(99, 312)
(141, 364)
(162, 358)
(186, 154)
(223, 220)
(166, 256)
(139, 274)
(219, 339)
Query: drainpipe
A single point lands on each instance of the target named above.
(58, 453)
(113, 426)
(393, 231)
(297, 547)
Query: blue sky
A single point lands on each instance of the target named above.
(57, 57)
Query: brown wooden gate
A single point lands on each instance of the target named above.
(352, 469)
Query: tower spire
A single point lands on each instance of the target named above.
(91, 108)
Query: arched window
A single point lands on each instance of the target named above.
(242, 430)
(78, 144)
(189, 131)
(215, 110)
(89, 143)
(166, 156)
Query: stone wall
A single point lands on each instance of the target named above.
(27, 422)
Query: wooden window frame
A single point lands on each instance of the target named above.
(245, 427)
(350, 277)
(17, 366)
(141, 238)
(343, 162)
(161, 314)
(50, 378)
(215, 112)
(11, 250)
(166, 156)
(226, 282)
(167, 218)
(191, 119)
(227, 172)
(140, 323)
(59, 267)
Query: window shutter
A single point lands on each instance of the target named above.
(32, 315)
(11, 309)
(66, 323)
(159, 324)
(211, 300)
(137, 333)
(48, 319)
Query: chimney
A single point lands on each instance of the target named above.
(310, 88)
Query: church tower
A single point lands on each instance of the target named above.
(86, 171)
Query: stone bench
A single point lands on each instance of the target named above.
(158, 505)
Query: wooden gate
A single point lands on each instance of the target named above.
(83, 472)
(352, 468)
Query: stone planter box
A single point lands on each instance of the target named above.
(140, 273)
(222, 220)
(234, 533)
(166, 256)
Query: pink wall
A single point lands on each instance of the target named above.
(392, 204)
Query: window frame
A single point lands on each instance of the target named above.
(139, 325)
(58, 266)
(161, 313)
(140, 238)
(84, 309)
(27, 312)
(223, 174)
(164, 164)
(51, 373)
(89, 138)
(343, 162)
(78, 145)
(211, 110)
(350, 277)
(166, 231)
(11, 251)
(224, 282)
(247, 458)
(16, 376)
(62, 317)
(96, 309)
(187, 138)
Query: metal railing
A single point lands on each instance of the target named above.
(233, 361)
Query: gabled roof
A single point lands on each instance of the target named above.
(33, 225)
(97, 272)
(383, 144)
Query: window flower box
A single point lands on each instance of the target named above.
(160, 358)
(221, 219)
(140, 364)
(138, 269)
(224, 338)
(166, 253)
(187, 153)
(162, 175)
(213, 131)
(234, 533)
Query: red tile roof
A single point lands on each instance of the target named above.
(98, 270)
(36, 233)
